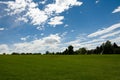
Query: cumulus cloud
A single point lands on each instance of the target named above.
(4, 48)
(116, 10)
(1, 29)
(22, 19)
(106, 30)
(49, 43)
(29, 11)
(37, 16)
(61, 5)
(57, 20)
(52, 39)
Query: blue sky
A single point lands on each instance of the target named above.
(52, 25)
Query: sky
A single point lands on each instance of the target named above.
(52, 25)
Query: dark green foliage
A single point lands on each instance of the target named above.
(108, 48)
(83, 50)
(70, 50)
(23, 54)
(14, 53)
(65, 52)
(47, 52)
(115, 45)
(4, 53)
(37, 54)
(116, 51)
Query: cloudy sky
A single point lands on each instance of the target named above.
(52, 25)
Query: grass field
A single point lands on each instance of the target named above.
(46, 67)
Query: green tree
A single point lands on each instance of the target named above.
(47, 52)
(65, 52)
(77, 51)
(70, 49)
(4, 53)
(15, 53)
(115, 45)
(116, 49)
(83, 50)
(108, 48)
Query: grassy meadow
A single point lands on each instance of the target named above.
(59, 67)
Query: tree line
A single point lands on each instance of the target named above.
(104, 48)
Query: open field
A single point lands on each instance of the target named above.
(54, 67)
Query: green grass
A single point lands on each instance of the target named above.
(76, 67)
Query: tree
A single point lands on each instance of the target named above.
(115, 45)
(83, 50)
(70, 50)
(77, 51)
(108, 48)
(102, 48)
(65, 52)
(14, 53)
(4, 53)
(116, 49)
(47, 52)
(23, 54)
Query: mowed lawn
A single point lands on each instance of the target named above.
(55, 67)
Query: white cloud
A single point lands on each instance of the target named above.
(29, 11)
(24, 38)
(42, 34)
(95, 39)
(64, 34)
(43, 2)
(4, 48)
(1, 29)
(61, 5)
(98, 37)
(40, 45)
(57, 20)
(66, 25)
(52, 39)
(85, 42)
(110, 34)
(117, 40)
(101, 32)
(37, 16)
(97, 1)
(116, 10)
(22, 19)
(16, 7)
(49, 43)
